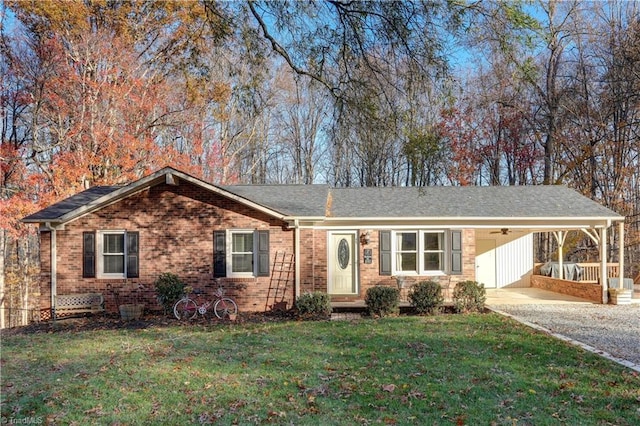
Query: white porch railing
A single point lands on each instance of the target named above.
(591, 272)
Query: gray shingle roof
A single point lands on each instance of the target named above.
(467, 201)
(67, 205)
(292, 200)
(526, 202)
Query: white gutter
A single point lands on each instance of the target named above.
(474, 218)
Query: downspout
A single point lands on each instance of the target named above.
(296, 227)
(54, 270)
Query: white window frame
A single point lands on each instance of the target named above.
(229, 253)
(396, 251)
(424, 251)
(420, 252)
(100, 254)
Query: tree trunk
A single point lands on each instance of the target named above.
(3, 236)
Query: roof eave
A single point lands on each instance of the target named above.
(482, 222)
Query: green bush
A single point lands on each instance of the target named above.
(169, 288)
(314, 304)
(469, 296)
(382, 301)
(426, 297)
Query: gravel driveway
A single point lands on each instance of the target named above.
(611, 328)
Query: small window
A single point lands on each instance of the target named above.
(110, 254)
(113, 253)
(242, 249)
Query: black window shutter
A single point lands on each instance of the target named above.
(456, 252)
(385, 252)
(133, 254)
(263, 253)
(219, 254)
(88, 255)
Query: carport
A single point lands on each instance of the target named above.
(504, 250)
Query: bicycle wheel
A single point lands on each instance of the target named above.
(185, 309)
(225, 307)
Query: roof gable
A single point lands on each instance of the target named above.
(98, 197)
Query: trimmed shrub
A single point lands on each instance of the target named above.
(169, 288)
(469, 296)
(426, 297)
(382, 301)
(314, 304)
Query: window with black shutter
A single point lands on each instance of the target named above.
(385, 252)
(263, 254)
(133, 257)
(456, 252)
(219, 254)
(88, 254)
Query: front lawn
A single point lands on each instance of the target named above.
(449, 369)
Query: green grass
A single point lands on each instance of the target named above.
(450, 369)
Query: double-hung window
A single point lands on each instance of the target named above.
(110, 254)
(419, 252)
(407, 251)
(113, 253)
(433, 251)
(242, 249)
(241, 253)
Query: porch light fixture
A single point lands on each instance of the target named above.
(365, 238)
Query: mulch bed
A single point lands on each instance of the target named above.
(113, 322)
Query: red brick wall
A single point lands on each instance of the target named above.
(313, 260)
(176, 225)
(589, 291)
(314, 273)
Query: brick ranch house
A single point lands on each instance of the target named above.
(267, 244)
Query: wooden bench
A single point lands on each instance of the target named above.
(78, 304)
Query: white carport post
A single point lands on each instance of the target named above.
(603, 265)
(621, 254)
(560, 237)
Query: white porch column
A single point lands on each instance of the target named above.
(560, 237)
(603, 265)
(621, 254)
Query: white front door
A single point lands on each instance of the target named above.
(486, 262)
(342, 263)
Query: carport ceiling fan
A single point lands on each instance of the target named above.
(503, 231)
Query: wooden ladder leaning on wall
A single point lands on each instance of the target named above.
(281, 275)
